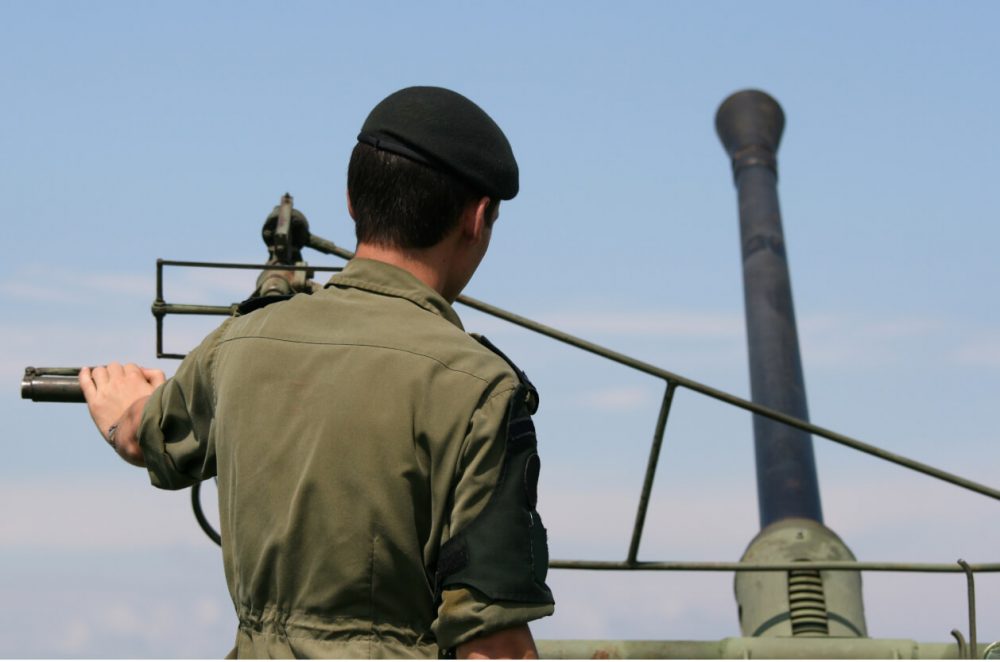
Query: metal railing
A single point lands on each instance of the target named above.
(672, 382)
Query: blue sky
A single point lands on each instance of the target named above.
(132, 131)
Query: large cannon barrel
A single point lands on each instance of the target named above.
(750, 124)
(802, 602)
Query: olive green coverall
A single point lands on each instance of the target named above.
(353, 431)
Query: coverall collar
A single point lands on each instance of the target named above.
(383, 278)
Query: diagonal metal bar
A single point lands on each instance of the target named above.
(647, 484)
(326, 246)
(731, 399)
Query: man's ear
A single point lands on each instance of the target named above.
(475, 218)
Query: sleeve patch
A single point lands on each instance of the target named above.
(503, 552)
(520, 433)
(453, 558)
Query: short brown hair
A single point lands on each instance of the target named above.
(401, 203)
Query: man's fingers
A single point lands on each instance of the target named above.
(87, 383)
(94, 380)
(154, 376)
(99, 375)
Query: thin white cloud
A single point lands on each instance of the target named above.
(839, 342)
(123, 610)
(828, 340)
(181, 285)
(69, 287)
(74, 342)
(866, 342)
(980, 351)
(620, 399)
(209, 286)
(913, 516)
(671, 324)
(680, 324)
(86, 514)
(869, 327)
(74, 637)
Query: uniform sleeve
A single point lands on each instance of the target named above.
(491, 571)
(175, 433)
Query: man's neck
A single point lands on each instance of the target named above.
(429, 266)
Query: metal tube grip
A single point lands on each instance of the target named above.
(51, 385)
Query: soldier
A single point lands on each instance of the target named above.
(377, 466)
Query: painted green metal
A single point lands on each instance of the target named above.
(735, 648)
(161, 309)
(802, 600)
(732, 566)
(647, 484)
(970, 578)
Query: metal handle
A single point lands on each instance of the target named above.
(51, 385)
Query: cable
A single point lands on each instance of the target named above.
(199, 515)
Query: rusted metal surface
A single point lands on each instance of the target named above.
(630, 650)
(753, 648)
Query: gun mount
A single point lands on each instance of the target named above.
(797, 585)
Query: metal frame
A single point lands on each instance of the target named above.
(161, 308)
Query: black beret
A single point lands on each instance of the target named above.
(446, 131)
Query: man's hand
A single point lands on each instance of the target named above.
(116, 395)
(514, 643)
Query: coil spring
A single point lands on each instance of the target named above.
(807, 603)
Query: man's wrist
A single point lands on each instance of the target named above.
(112, 433)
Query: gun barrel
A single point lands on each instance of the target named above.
(51, 385)
(749, 124)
